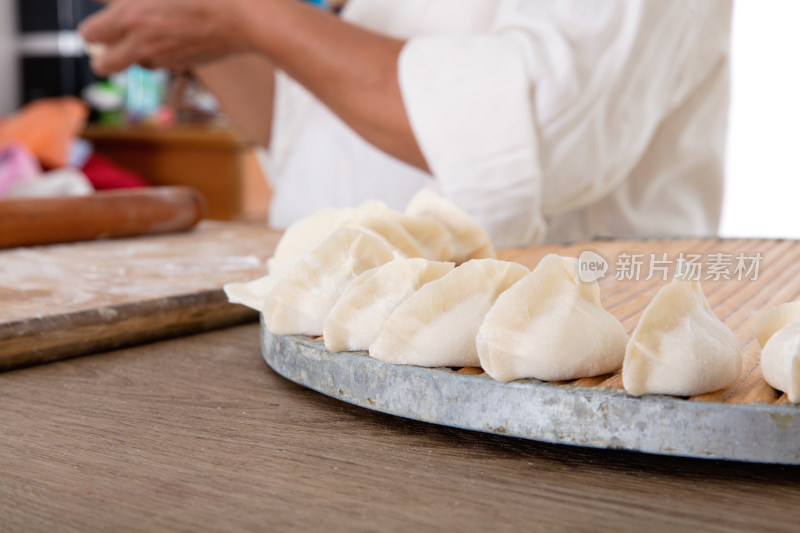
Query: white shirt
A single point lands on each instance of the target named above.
(546, 120)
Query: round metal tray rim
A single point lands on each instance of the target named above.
(531, 409)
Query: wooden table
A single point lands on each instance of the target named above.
(198, 434)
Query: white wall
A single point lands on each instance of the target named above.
(9, 77)
(763, 163)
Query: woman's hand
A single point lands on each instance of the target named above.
(175, 34)
(348, 68)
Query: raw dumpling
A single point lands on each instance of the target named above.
(432, 237)
(551, 326)
(394, 233)
(775, 319)
(253, 294)
(412, 236)
(305, 234)
(437, 325)
(302, 298)
(470, 241)
(680, 347)
(780, 361)
(365, 305)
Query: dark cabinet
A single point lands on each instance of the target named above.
(52, 59)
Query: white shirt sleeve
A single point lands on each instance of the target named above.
(468, 100)
(551, 109)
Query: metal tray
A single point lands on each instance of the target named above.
(531, 409)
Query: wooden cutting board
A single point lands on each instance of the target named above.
(76, 299)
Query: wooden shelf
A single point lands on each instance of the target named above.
(182, 134)
(215, 160)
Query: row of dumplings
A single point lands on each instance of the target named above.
(422, 288)
(314, 249)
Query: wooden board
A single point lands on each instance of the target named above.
(737, 302)
(68, 300)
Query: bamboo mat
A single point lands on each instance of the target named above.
(737, 302)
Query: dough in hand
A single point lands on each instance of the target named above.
(774, 319)
(780, 361)
(551, 326)
(680, 347)
(303, 297)
(95, 49)
(437, 325)
(470, 241)
(368, 301)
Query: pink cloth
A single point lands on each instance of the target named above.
(16, 164)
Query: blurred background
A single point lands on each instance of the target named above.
(149, 124)
(138, 128)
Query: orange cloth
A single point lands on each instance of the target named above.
(47, 128)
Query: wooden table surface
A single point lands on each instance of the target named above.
(198, 434)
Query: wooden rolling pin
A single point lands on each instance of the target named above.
(103, 215)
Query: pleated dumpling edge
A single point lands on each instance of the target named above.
(680, 347)
(438, 324)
